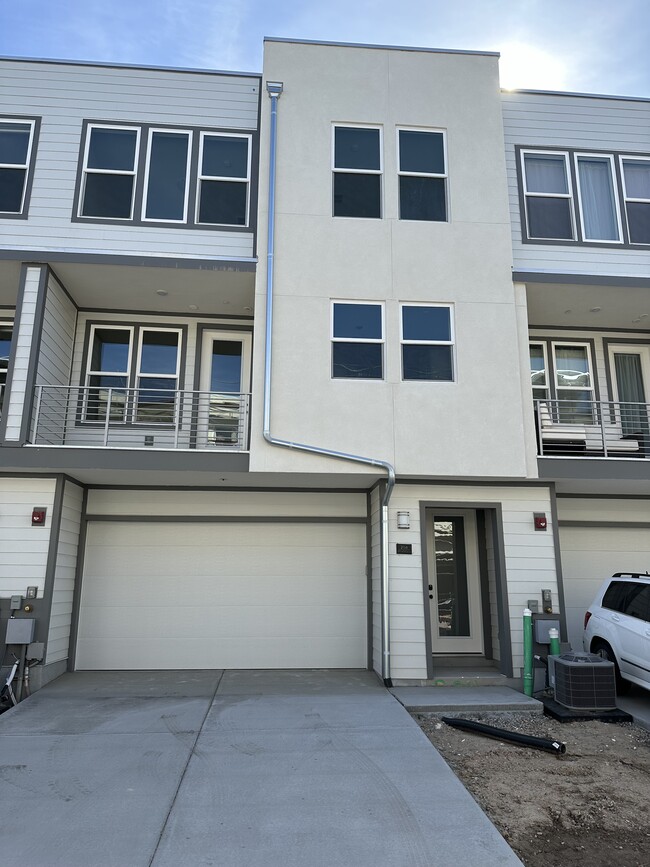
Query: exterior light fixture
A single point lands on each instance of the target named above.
(403, 521)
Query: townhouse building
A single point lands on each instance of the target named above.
(267, 365)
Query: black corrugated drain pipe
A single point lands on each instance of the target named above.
(469, 725)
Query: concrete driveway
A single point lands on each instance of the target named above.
(236, 769)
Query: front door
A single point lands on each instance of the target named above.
(630, 365)
(455, 587)
(224, 387)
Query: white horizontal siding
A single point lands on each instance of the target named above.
(22, 337)
(64, 575)
(24, 549)
(587, 123)
(64, 96)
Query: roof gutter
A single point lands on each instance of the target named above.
(274, 89)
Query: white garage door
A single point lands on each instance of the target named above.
(221, 595)
(591, 554)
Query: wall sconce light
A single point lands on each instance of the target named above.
(403, 521)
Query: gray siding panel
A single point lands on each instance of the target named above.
(64, 97)
(586, 123)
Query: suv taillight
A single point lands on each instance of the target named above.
(587, 616)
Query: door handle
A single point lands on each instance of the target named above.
(616, 618)
(430, 595)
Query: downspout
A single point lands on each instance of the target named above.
(274, 89)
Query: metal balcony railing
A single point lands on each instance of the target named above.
(131, 418)
(592, 428)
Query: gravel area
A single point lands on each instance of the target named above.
(586, 807)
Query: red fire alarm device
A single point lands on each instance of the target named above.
(540, 520)
(38, 516)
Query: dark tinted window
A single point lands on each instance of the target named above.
(159, 352)
(357, 321)
(14, 142)
(110, 350)
(12, 185)
(225, 157)
(108, 196)
(422, 199)
(638, 219)
(426, 323)
(356, 148)
(549, 218)
(357, 360)
(223, 203)
(637, 602)
(357, 195)
(617, 595)
(427, 362)
(421, 152)
(112, 149)
(167, 177)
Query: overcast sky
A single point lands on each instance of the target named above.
(596, 46)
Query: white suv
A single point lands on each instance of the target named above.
(617, 626)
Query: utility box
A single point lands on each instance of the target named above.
(20, 630)
(541, 626)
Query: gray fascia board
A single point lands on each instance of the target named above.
(44, 257)
(105, 65)
(326, 43)
(578, 94)
(585, 469)
(578, 279)
(62, 459)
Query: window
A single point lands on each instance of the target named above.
(224, 180)
(357, 340)
(538, 371)
(599, 217)
(357, 168)
(167, 174)
(635, 172)
(427, 342)
(573, 383)
(134, 173)
(16, 162)
(124, 361)
(422, 175)
(6, 329)
(547, 195)
(109, 172)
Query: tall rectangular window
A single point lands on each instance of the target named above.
(547, 195)
(109, 171)
(6, 329)
(16, 142)
(107, 377)
(357, 340)
(539, 371)
(157, 375)
(574, 385)
(224, 180)
(427, 342)
(599, 216)
(167, 176)
(357, 168)
(635, 173)
(422, 173)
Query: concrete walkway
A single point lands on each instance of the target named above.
(236, 769)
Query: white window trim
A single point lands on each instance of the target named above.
(85, 171)
(28, 158)
(145, 192)
(542, 343)
(142, 330)
(569, 388)
(381, 340)
(406, 342)
(444, 175)
(379, 171)
(617, 205)
(202, 177)
(626, 198)
(569, 195)
(90, 372)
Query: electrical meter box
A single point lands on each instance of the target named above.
(541, 627)
(20, 630)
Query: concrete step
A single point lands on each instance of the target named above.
(441, 699)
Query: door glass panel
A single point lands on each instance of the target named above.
(225, 372)
(631, 393)
(451, 577)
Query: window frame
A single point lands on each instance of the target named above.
(133, 373)
(200, 177)
(374, 340)
(406, 342)
(380, 171)
(85, 171)
(547, 369)
(526, 193)
(28, 167)
(141, 171)
(626, 198)
(444, 176)
(617, 205)
(151, 131)
(558, 390)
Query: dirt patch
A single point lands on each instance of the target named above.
(588, 806)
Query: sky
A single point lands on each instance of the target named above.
(589, 46)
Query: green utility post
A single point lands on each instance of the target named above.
(554, 636)
(528, 652)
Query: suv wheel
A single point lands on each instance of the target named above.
(603, 649)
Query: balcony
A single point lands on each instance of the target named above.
(139, 418)
(592, 429)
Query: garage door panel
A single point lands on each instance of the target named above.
(260, 596)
